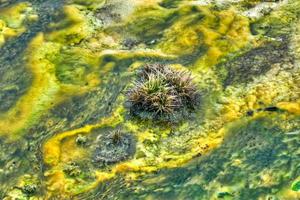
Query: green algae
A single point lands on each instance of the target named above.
(14, 82)
(91, 4)
(73, 29)
(74, 66)
(296, 186)
(14, 20)
(278, 23)
(221, 153)
(149, 25)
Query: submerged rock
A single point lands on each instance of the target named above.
(112, 147)
(29, 189)
(256, 62)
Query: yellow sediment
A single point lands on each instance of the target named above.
(145, 2)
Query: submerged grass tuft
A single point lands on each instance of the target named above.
(162, 93)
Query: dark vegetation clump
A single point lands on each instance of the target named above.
(162, 93)
(113, 147)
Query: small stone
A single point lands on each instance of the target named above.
(250, 113)
(29, 189)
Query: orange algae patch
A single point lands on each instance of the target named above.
(69, 145)
(52, 149)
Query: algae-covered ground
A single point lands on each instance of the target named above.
(66, 131)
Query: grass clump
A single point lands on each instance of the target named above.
(162, 93)
(113, 147)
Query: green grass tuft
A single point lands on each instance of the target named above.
(162, 93)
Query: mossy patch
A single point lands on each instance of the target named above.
(279, 22)
(14, 19)
(75, 66)
(73, 29)
(148, 23)
(202, 35)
